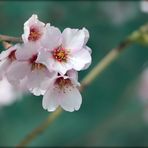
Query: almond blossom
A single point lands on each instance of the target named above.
(61, 52)
(47, 63)
(26, 67)
(63, 91)
(33, 29)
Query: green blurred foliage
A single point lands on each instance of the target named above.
(110, 115)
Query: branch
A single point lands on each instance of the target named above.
(92, 75)
(40, 128)
(10, 38)
(104, 63)
(96, 71)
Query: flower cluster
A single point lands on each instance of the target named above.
(47, 63)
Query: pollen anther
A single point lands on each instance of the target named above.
(60, 54)
(34, 34)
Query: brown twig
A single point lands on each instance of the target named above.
(6, 45)
(96, 71)
(92, 75)
(10, 38)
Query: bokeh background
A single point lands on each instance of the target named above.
(111, 114)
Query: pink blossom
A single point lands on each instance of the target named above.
(47, 63)
(26, 67)
(33, 29)
(63, 91)
(64, 51)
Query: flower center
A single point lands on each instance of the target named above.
(34, 34)
(60, 54)
(62, 83)
(12, 55)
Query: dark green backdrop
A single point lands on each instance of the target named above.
(111, 114)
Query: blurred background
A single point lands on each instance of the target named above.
(112, 114)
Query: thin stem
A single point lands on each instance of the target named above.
(92, 75)
(104, 63)
(95, 72)
(6, 45)
(41, 128)
(10, 38)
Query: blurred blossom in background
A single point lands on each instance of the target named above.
(144, 6)
(114, 111)
(119, 18)
(8, 94)
(143, 92)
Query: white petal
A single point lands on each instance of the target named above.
(23, 86)
(38, 81)
(6, 53)
(52, 38)
(4, 64)
(71, 99)
(26, 51)
(73, 39)
(86, 35)
(88, 49)
(50, 100)
(32, 21)
(80, 60)
(17, 71)
(88, 64)
(44, 57)
(61, 68)
(73, 74)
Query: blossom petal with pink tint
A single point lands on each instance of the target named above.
(73, 74)
(45, 57)
(86, 35)
(63, 91)
(80, 60)
(26, 51)
(4, 54)
(38, 81)
(88, 49)
(4, 64)
(73, 39)
(17, 71)
(32, 22)
(61, 68)
(51, 99)
(88, 64)
(51, 38)
(71, 99)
